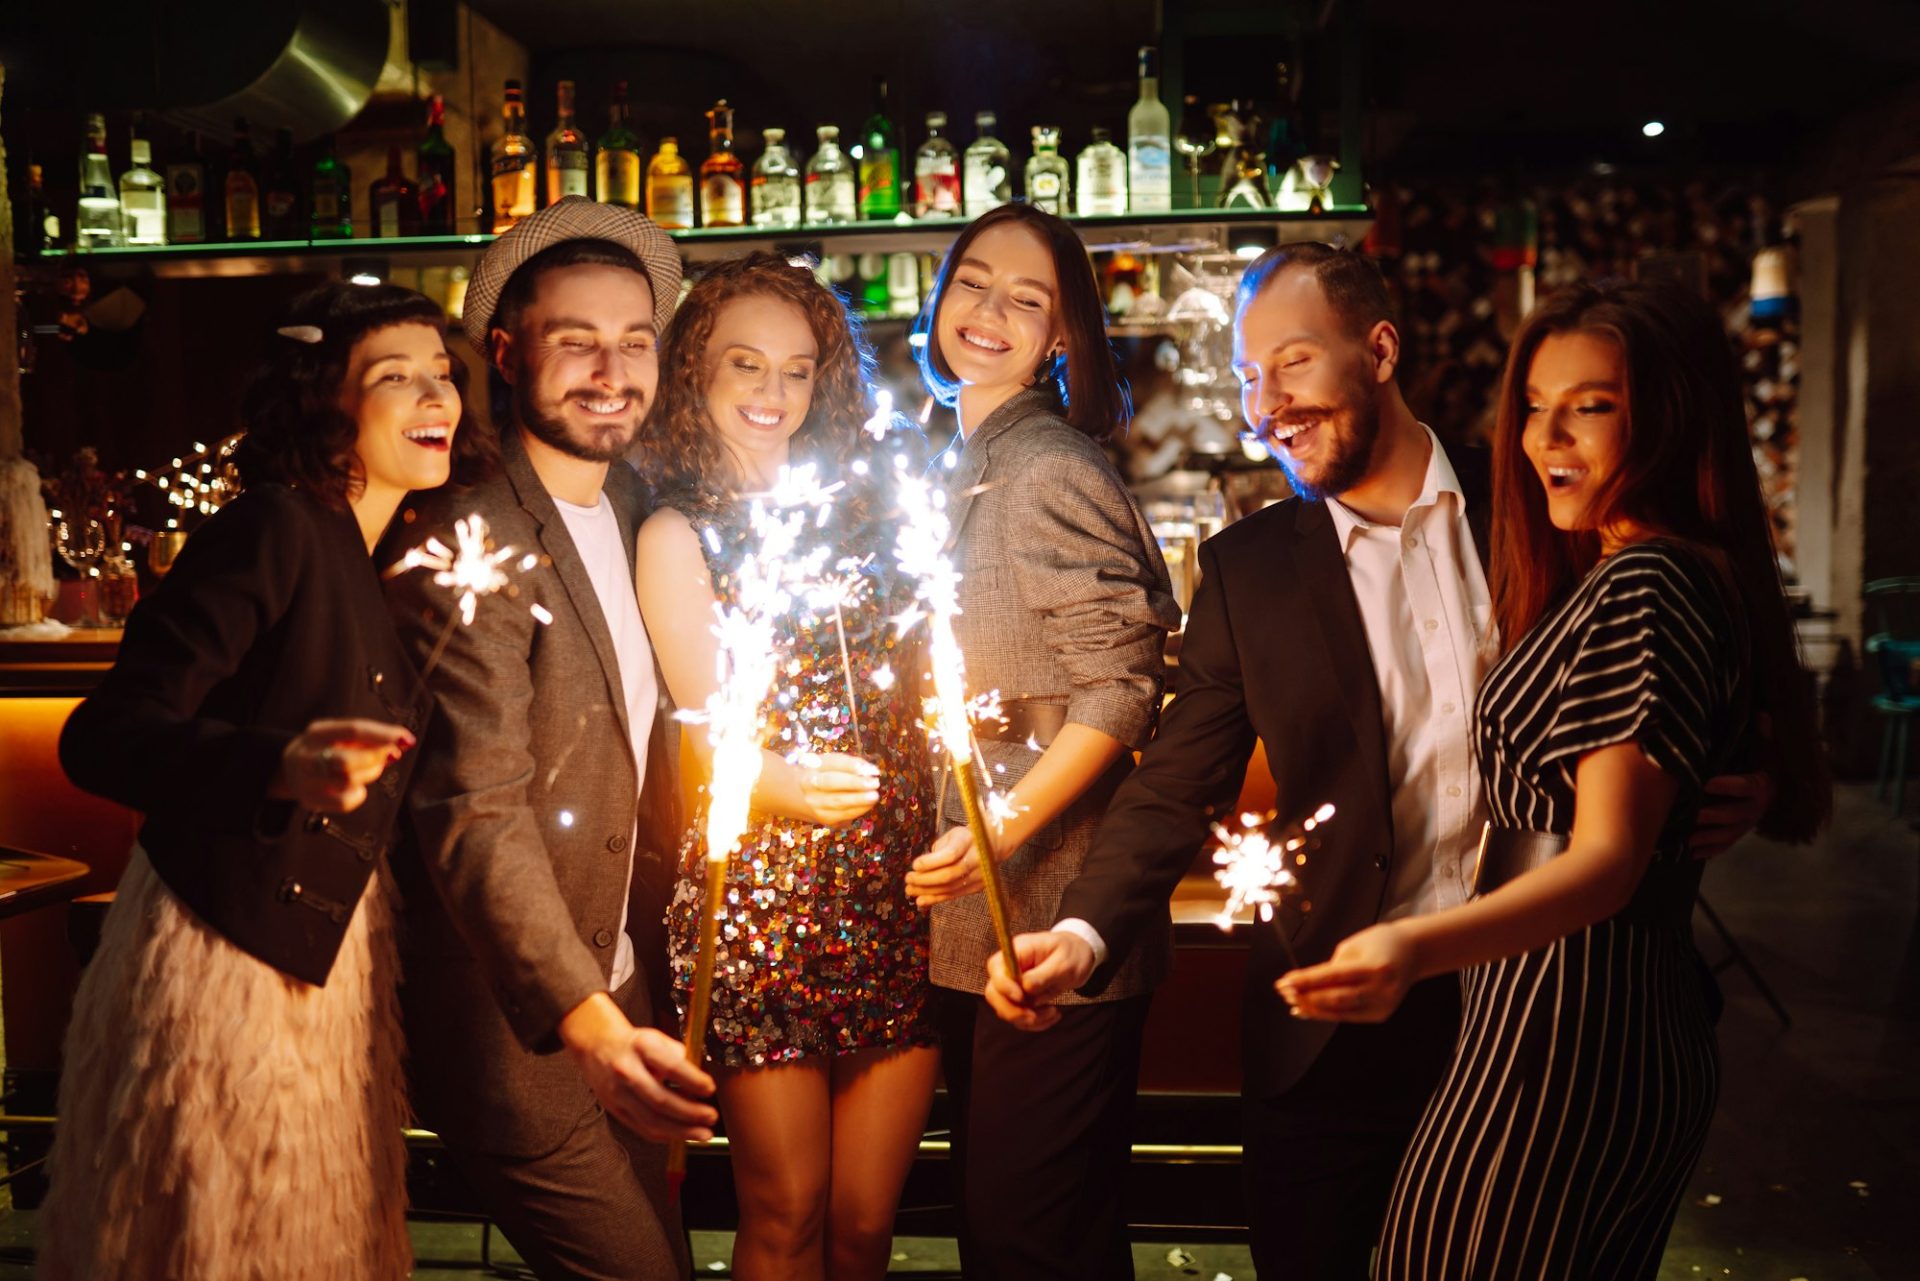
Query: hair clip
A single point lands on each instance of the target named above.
(301, 333)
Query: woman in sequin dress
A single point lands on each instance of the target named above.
(820, 1034)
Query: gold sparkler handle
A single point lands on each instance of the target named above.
(990, 884)
(699, 1003)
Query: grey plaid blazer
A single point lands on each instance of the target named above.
(513, 864)
(1064, 599)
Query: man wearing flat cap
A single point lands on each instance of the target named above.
(539, 855)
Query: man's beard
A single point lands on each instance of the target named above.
(1350, 431)
(595, 444)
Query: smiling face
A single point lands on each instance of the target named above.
(399, 392)
(1575, 433)
(583, 359)
(762, 361)
(1309, 386)
(996, 325)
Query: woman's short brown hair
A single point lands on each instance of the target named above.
(296, 432)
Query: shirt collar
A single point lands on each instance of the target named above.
(1440, 480)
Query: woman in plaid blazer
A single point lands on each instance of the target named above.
(1065, 609)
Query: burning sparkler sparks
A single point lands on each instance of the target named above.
(1255, 868)
(472, 568)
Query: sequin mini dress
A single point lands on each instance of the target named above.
(821, 952)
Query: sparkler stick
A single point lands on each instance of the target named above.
(747, 665)
(473, 568)
(1254, 868)
(920, 550)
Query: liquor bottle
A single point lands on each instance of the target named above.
(242, 186)
(393, 203)
(987, 173)
(1285, 139)
(723, 178)
(188, 211)
(617, 166)
(1103, 177)
(903, 285)
(568, 173)
(936, 173)
(280, 193)
(670, 187)
(514, 164)
(832, 191)
(43, 224)
(776, 184)
(332, 202)
(1149, 142)
(143, 199)
(97, 223)
(879, 160)
(436, 169)
(1048, 186)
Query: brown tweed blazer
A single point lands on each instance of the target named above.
(1064, 599)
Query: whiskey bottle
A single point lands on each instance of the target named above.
(832, 191)
(143, 199)
(568, 172)
(393, 203)
(332, 188)
(1048, 186)
(987, 171)
(617, 166)
(242, 204)
(43, 224)
(670, 187)
(879, 160)
(513, 164)
(1103, 177)
(723, 189)
(776, 184)
(1149, 145)
(438, 184)
(936, 173)
(280, 193)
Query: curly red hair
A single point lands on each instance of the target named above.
(678, 447)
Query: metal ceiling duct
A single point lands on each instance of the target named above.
(308, 66)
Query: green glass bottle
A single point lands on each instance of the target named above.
(332, 201)
(438, 183)
(879, 160)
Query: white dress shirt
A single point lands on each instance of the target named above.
(1427, 614)
(596, 532)
(1428, 618)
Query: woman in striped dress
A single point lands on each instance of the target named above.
(1646, 636)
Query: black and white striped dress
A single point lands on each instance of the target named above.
(1581, 1088)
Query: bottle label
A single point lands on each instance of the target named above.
(720, 201)
(986, 183)
(280, 204)
(832, 197)
(568, 174)
(386, 217)
(936, 187)
(326, 202)
(512, 188)
(879, 193)
(1043, 189)
(619, 178)
(184, 221)
(670, 202)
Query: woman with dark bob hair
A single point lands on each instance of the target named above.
(1645, 637)
(820, 1036)
(1065, 609)
(231, 1099)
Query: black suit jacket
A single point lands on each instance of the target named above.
(514, 860)
(271, 618)
(1274, 650)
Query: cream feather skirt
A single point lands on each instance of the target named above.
(219, 1121)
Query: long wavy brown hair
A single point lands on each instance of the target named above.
(1686, 473)
(679, 449)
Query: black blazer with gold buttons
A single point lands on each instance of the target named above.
(271, 618)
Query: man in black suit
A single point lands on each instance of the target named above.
(1346, 630)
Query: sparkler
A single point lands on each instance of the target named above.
(1256, 870)
(767, 584)
(921, 551)
(473, 567)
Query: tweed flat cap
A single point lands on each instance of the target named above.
(572, 218)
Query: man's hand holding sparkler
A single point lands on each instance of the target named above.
(1051, 965)
(640, 1075)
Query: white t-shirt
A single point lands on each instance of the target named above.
(596, 532)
